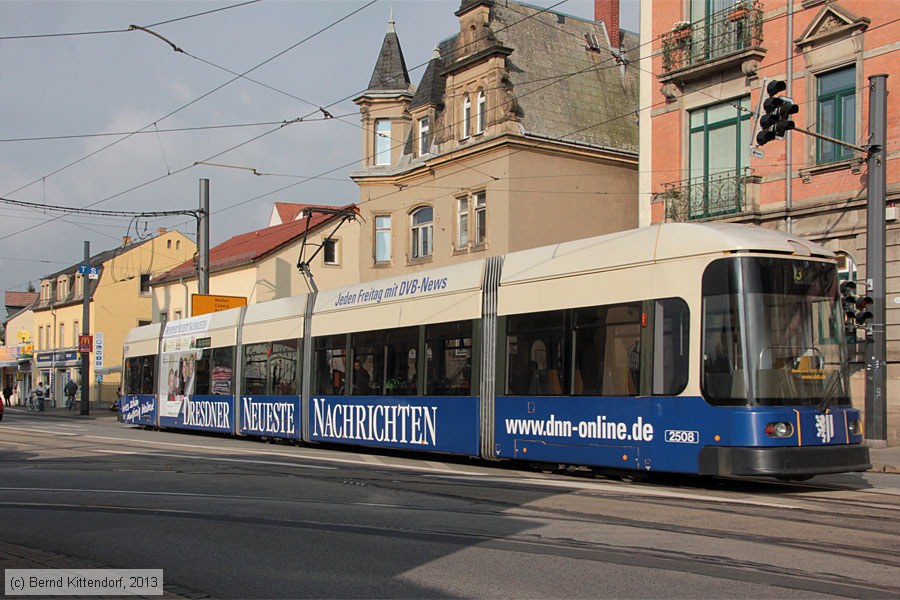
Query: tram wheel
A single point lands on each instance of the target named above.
(632, 476)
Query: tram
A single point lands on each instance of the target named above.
(711, 349)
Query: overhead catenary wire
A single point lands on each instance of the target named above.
(319, 177)
(126, 30)
(201, 97)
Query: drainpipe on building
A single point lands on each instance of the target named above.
(788, 163)
(187, 298)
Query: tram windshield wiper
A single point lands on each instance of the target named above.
(830, 392)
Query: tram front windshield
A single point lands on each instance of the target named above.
(772, 333)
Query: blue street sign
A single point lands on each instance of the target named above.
(91, 272)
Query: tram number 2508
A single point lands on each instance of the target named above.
(677, 436)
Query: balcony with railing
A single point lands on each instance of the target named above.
(728, 38)
(718, 195)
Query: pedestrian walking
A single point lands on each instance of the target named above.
(7, 394)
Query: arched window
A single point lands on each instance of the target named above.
(480, 113)
(466, 116)
(421, 232)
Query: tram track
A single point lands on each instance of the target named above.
(832, 513)
(882, 556)
(720, 567)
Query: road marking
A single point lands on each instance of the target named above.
(50, 431)
(217, 459)
(621, 489)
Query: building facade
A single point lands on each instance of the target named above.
(522, 132)
(119, 299)
(702, 82)
(16, 353)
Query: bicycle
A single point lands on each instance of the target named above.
(35, 403)
(70, 402)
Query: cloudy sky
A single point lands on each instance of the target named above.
(64, 95)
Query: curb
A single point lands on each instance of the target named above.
(879, 468)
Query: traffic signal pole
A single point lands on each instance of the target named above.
(771, 123)
(876, 341)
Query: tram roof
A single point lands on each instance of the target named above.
(667, 241)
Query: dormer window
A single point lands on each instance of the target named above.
(480, 113)
(466, 116)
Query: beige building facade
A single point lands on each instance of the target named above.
(119, 299)
(502, 146)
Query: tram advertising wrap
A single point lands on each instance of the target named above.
(438, 424)
(138, 409)
(271, 416)
(710, 349)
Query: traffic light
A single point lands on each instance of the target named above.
(856, 309)
(776, 120)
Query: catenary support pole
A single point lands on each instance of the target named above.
(203, 239)
(86, 330)
(876, 343)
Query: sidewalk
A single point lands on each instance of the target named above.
(884, 460)
(97, 411)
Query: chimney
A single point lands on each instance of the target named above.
(126, 239)
(608, 12)
(161, 230)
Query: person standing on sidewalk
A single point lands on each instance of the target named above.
(7, 394)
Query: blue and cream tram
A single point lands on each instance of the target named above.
(712, 349)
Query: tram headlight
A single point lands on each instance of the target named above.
(855, 427)
(782, 429)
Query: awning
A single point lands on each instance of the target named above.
(108, 370)
(9, 363)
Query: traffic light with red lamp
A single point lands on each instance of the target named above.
(856, 309)
(777, 111)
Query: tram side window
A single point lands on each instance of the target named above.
(271, 368)
(448, 356)
(535, 354)
(401, 347)
(331, 364)
(607, 352)
(671, 352)
(213, 372)
(367, 376)
(255, 369)
(284, 364)
(139, 374)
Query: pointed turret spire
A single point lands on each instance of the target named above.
(431, 88)
(390, 70)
